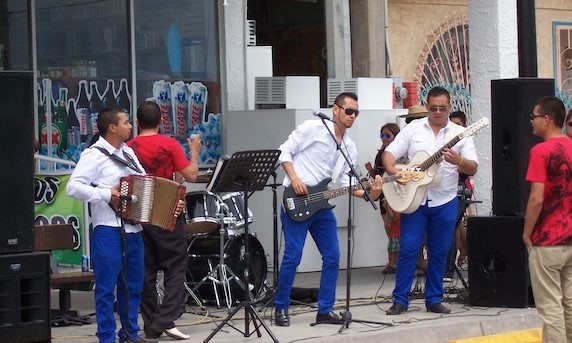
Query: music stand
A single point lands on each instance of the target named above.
(246, 171)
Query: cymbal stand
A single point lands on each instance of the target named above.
(245, 171)
(219, 275)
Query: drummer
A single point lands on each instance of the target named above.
(167, 251)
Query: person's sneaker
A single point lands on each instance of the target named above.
(281, 318)
(176, 334)
(438, 308)
(328, 318)
(448, 276)
(396, 309)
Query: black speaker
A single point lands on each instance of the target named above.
(17, 162)
(512, 139)
(25, 298)
(498, 262)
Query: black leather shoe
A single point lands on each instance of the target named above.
(281, 318)
(328, 318)
(395, 309)
(438, 308)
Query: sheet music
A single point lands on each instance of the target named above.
(217, 171)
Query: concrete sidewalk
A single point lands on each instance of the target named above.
(370, 297)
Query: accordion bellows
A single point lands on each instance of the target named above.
(157, 200)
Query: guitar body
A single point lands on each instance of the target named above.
(406, 197)
(300, 208)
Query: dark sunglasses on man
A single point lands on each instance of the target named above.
(349, 111)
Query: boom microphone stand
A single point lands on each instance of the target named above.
(346, 314)
(246, 171)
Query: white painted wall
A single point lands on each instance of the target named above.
(494, 55)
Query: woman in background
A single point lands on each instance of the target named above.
(390, 217)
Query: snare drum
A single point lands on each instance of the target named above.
(202, 210)
(235, 203)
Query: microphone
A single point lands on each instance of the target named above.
(131, 198)
(321, 115)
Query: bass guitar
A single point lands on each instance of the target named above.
(300, 208)
(406, 197)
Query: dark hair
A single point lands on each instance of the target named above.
(149, 115)
(552, 107)
(106, 117)
(438, 91)
(392, 127)
(459, 114)
(342, 97)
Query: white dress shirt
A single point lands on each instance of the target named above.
(94, 176)
(313, 153)
(417, 136)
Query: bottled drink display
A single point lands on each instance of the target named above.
(95, 106)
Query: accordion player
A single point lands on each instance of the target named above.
(156, 200)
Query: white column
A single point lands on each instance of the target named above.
(338, 41)
(493, 55)
(233, 28)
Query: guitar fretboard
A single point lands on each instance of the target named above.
(436, 156)
(332, 193)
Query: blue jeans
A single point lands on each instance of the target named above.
(324, 230)
(106, 254)
(438, 224)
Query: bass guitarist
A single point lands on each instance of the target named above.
(436, 216)
(308, 157)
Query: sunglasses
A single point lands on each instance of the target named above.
(384, 135)
(437, 109)
(533, 116)
(349, 111)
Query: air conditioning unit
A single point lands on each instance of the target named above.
(251, 34)
(291, 92)
(373, 93)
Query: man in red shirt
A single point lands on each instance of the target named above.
(547, 230)
(167, 251)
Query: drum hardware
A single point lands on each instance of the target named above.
(245, 171)
(219, 275)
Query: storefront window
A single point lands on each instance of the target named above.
(178, 66)
(84, 66)
(14, 35)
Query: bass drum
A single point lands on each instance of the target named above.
(205, 249)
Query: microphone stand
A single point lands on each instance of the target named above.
(346, 314)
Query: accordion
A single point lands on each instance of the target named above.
(156, 200)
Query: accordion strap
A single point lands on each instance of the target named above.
(130, 164)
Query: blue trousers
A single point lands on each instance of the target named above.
(106, 254)
(438, 224)
(323, 228)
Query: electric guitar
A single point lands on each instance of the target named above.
(300, 208)
(406, 197)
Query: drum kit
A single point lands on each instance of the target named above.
(216, 247)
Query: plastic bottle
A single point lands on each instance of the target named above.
(124, 98)
(82, 111)
(95, 106)
(109, 95)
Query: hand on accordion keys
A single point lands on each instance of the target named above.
(180, 208)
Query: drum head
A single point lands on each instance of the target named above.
(205, 249)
